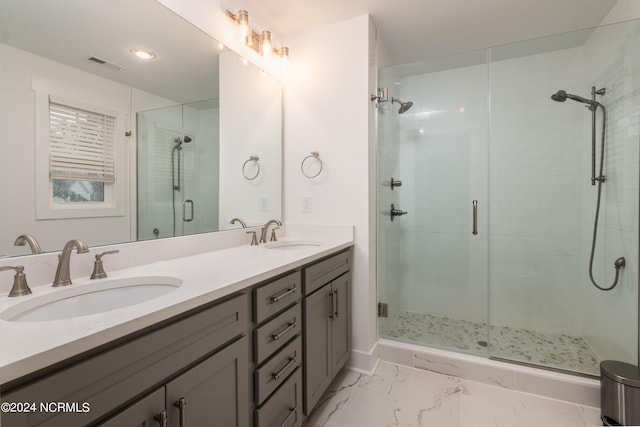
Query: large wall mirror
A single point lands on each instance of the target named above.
(101, 145)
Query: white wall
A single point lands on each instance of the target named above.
(327, 110)
(249, 93)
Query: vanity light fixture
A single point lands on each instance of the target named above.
(143, 54)
(242, 20)
(283, 53)
(260, 42)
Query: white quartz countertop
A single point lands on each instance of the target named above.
(29, 346)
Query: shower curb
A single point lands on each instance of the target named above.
(555, 385)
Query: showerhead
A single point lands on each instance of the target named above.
(187, 139)
(559, 96)
(562, 96)
(404, 106)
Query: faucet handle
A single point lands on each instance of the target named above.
(98, 267)
(273, 234)
(20, 286)
(254, 238)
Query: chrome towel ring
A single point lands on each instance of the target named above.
(253, 159)
(313, 155)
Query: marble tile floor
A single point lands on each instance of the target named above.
(399, 396)
(539, 348)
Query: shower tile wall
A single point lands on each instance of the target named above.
(610, 318)
(536, 175)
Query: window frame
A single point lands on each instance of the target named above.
(115, 193)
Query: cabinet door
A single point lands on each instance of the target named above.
(340, 334)
(143, 413)
(214, 392)
(317, 343)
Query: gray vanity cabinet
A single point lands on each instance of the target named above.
(340, 336)
(124, 372)
(256, 358)
(326, 325)
(213, 393)
(143, 413)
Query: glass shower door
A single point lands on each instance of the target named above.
(489, 130)
(432, 268)
(544, 308)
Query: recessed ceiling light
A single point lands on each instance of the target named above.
(143, 54)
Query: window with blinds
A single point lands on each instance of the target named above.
(81, 153)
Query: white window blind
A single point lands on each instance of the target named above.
(81, 144)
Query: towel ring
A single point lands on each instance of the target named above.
(253, 159)
(313, 155)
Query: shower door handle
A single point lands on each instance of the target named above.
(475, 217)
(184, 210)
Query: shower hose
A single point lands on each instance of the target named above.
(620, 262)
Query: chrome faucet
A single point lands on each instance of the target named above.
(23, 239)
(242, 223)
(265, 229)
(63, 274)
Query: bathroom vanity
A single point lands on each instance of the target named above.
(260, 355)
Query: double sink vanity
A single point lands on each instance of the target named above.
(239, 336)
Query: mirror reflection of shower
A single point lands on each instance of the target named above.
(404, 106)
(382, 96)
(592, 105)
(176, 172)
(178, 149)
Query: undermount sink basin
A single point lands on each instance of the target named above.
(292, 244)
(84, 299)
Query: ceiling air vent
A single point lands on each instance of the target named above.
(106, 63)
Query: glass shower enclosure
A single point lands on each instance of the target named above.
(178, 170)
(492, 256)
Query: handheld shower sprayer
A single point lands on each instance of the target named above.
(593, 105)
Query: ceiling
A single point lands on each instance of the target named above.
(415, 30)
(71, 31)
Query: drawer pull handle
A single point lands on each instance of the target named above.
(181, 404)
(333, 304)
(276, 375)
(290, 326)
(292, 411)
(161, 418)
(278, 297)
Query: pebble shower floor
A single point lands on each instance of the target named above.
(559, 351)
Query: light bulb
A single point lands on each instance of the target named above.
(265, 47)
(243, 22)
(143, 54)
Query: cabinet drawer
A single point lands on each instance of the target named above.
(276, 333)
(325, 271)
(115, 376)
(273, 297)
(275, 371)
(284, 407)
